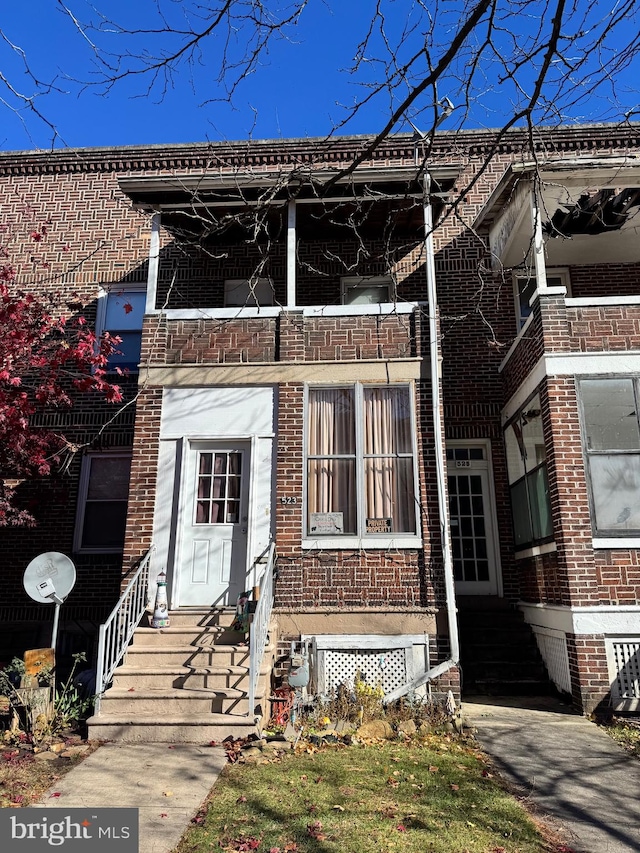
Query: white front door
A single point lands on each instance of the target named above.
(213, 554)
(471, 518)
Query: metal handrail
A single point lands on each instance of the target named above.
(259, 629)
(115, 634)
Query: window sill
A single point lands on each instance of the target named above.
(354, 543)
(612, 542)
(536, 550)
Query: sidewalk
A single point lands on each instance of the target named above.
(569, 768)
(166, 782)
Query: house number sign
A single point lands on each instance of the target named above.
(285, 500)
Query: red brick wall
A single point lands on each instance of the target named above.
(355, 338)
(618, 574)
(589, 672)
(221, 341)
(608, 328)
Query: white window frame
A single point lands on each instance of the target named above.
(259, 285)
(354, 282)
(101, 310)
(361, 539)
(83, 490)
(556, 277)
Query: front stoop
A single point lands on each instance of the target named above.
(188, 683)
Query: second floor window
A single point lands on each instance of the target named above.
(366, 290)
(121, 313)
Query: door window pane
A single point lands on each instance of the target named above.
(218, 488)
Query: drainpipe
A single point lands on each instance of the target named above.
(441, 465)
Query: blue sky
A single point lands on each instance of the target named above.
(298, 89)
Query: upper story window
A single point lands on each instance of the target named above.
(242, 292)
(528, 480)
(524, 286)
(120, 312)
(366, 290)
(361, 462)
(611, 434)
(102, 502)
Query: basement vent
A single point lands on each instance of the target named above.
(553, 649)
(389, 661)
(624, 672)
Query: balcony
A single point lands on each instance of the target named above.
(255, 336)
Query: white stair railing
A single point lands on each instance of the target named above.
(115, 634)
(259, 629)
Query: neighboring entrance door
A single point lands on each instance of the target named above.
(213, 553)
(471, 517)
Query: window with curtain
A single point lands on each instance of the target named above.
(611, 431)
(528, 480)
(360, 461)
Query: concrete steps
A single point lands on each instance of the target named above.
(187, 683)
(498, 652)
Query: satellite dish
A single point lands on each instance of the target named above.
(49, 578)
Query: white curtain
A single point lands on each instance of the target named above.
(331, 485)
(388, 463)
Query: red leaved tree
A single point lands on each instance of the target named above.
(46, 361)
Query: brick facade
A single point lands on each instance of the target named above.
(97, 237)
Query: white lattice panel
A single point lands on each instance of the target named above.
(553, 648)
(388, 668)
(387, 660)
(625, 660)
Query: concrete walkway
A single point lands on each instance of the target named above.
(568, 767)
(167, 783)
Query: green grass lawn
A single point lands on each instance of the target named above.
(436, 796)
(626, 734)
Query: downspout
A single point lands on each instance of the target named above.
(441, 465)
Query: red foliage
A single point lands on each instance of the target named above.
(45, 362)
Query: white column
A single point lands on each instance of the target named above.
(538, 244)
(291, 254)
(154, 257)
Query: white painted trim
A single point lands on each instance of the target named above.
(622, 543)
(556, 290)
(582, 364)
(528, 387)
(595, 619)
(522, 333)
(169, 436)
(353, 543)
(366, 641)
(233, 313)
(596, 363)
(536, 551)
(359, 310)
(383, 308)
(595, 301)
